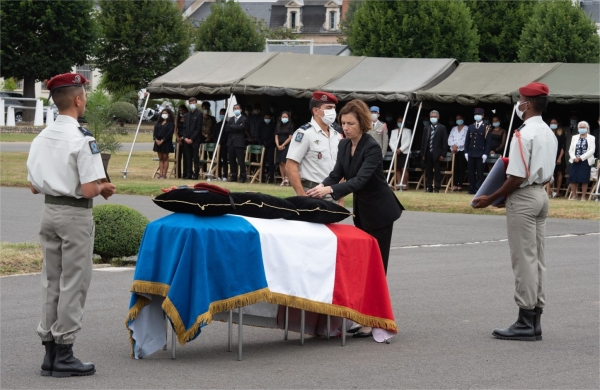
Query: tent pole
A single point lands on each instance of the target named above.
(124, 171)
(509, 130)
(212, 161)
(396, 146)
(412, 137)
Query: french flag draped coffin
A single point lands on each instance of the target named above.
(194, 267)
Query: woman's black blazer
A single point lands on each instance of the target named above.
(373, 198)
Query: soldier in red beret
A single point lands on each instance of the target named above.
(64, 164)
(314, 146)
(531, 165)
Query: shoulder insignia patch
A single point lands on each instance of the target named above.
(299, 136)
(94, 147)
(85, 132)
(306, 126)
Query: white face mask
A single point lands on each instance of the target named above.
(192, 106)
(329, 117)
(165, 116)
(519, 112)
(374, 117)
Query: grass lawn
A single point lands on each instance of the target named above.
(21, 258)
(13, 172)
(14, 137)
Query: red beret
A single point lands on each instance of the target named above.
(534, 89)
(324, 97)
(65, 80)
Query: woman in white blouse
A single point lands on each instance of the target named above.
(456, 141)
(581, 153)
(400, 142)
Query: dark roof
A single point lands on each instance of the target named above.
(313, 18)
(278, 16)
(327, 50)
(258, 10)
(592, 8)
(200, 14)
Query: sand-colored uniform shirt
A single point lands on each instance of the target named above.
(539, 147)
(62, 158)
(314, 151)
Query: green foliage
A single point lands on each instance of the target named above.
(499, 24)
(141, 40)
(123, 112)
(280, 32)
(99, 120)
(45, 102)
(559, 32)
(346, 23)
(119, 231)
(8, 84)
(228, 28)
(414, 29)
(41, 39)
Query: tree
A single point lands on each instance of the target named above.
(499, 24)
(228, 28)
(41, 39)
(8, 85)
(141, 40)
(417, 29)
(280, 32)
(558, 31)
(346, 23)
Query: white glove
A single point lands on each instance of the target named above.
(466, 157)
(484, 157)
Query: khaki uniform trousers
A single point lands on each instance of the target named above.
(526, 212)
(67, 239)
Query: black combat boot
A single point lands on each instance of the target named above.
(66, 365)
(48, 358)
(538, 323)
(522, 330)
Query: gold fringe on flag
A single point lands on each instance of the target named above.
(333, 310)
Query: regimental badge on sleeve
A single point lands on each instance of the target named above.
(94, 147)
(299, 136)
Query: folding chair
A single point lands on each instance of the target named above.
(447, 172)
(207, 152)
(416, 167)
(255, 168)
(173, 172)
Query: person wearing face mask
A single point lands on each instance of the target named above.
(477, 148)
(64, 164)
(283, 137)
(223, 169)
(561, 163)
(497, 137)
(314, 146)
(400, 142)
(192, 137)
(238, 128)
(581, 157)
(456, 141)
(163, 141)
(208, 124)
(255, 118)
(179, 127)
(379, 131)
(434, 146)
(266, 138)
(531, 163)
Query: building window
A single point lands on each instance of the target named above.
(86, 72)
(20, 84)
(332, 20)
(293, 20)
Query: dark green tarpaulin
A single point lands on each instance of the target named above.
(473, 83)
(574, 84)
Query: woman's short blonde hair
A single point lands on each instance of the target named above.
(361, 111)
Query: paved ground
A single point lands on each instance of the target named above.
(450, 283)
(25, 146)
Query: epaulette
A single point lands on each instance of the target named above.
(306, 126)
(85, 132)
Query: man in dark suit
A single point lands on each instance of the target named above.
(434, 147)
(266, 138)
(192, 134)
(238, 128)
(477, 148)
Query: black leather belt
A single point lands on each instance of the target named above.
(309, 184)
(69, 201)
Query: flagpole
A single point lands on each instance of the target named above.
(412, 137)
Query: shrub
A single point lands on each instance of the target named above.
(123, 112)
(119, 231)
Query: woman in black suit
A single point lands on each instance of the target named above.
(359, 161)
(163, 141)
